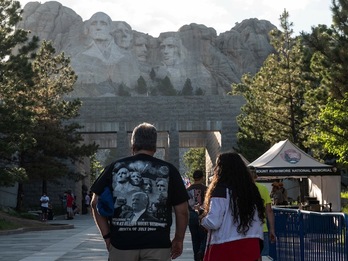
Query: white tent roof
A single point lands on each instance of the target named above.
(246, 162)
(286, 159)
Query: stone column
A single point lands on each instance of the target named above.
(228, 138)
(123, 149)
(213, 148)
(172, 152)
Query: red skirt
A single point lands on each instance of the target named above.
(238, 250)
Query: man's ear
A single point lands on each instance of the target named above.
(133, 149)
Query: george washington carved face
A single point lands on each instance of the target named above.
(99, 27)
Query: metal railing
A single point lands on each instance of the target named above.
(309, 236)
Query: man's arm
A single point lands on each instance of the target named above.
(270, 218)
(101, 222)
(181, 221)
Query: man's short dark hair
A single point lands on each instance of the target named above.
(197, 174)
(144, 137)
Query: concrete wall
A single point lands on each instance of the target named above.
(8, 196)
(182, 121)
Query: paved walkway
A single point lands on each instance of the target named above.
(83, 242)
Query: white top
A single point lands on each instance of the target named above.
(219, 222)
(44, 201)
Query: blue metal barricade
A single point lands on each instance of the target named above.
(309, 236)
(287, 246)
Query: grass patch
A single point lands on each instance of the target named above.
(17, 214)
(4, 225)
(27, 216)
(11, 219)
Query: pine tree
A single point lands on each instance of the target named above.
(330, 62)
(275, 95)
(38, 137)
(141, 87)
(153, 74)
(123, 90)
(58, 144)
(199, 92)
(15, 79)
(166, 88)
(187, 90)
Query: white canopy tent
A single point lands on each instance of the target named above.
(286, 160)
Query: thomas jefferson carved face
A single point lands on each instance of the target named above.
(140, 48)
(135, 178)
(124, 35)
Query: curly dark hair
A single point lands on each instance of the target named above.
(231, 171)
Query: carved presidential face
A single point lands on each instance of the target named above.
(100, 27)
(122, 176)
(124, 35)
(135, 178)
(140, 48)
(170, 50)
(161, 185)
(147, 185)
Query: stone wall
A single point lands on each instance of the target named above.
(8, 196)
(185, 113)
(200, 121)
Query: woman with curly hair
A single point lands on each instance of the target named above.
(234, 212)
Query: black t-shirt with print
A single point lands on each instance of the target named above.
(144, 191)
(196, 193)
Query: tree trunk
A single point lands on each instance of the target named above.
(20, 194)
(44, 187)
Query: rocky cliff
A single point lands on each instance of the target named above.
(111, 59)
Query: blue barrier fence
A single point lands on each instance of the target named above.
(309, 236)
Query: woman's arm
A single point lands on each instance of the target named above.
(215, 216)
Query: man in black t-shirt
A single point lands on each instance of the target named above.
(198, 235)
(140, 227)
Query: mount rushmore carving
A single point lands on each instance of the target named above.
(111, 59)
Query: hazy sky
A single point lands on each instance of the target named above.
(156, 16)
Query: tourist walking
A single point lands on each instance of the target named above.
(196, 193)
(44, 201)
(268, 227)
(136, 232)
(69, 204)
(234, 212)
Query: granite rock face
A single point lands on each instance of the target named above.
(111, 59)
